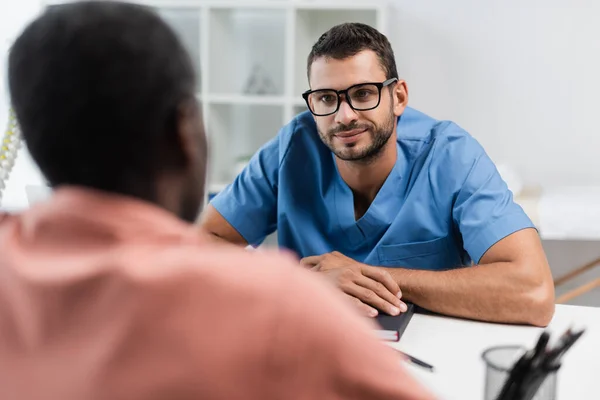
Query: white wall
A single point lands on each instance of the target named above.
(13, 17)
(522, 76)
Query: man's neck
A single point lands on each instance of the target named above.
(365, 179)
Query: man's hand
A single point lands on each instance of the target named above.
(367, 286)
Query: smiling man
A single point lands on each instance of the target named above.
(385, 201)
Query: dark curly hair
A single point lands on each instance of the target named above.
(348, 39)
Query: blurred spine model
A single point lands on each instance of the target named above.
(9, 147)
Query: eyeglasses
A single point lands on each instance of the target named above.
(360, 97)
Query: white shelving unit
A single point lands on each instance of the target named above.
(230, 40)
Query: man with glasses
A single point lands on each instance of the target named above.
(386, 202)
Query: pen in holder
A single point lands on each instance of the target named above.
(515, 373)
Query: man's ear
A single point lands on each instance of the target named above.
(400, 93)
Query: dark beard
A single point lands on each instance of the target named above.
(379, 136)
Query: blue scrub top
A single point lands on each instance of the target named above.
(443, 205)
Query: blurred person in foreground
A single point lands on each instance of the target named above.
(107, 291)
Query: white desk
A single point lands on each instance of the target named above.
(454, 348)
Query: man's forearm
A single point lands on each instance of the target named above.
(496, 292)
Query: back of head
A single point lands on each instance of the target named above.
(98, 88)
(350, 38)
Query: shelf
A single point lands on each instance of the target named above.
(249, 4)
(299, 109)
(246, 50)
(281, 4)
(186, 23)
(300, 4)
(238, 131)
(299, 102)
(229, 41)
(312, 23)
(333, 5)
(243, 99)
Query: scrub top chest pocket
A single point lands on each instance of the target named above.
(435, 254)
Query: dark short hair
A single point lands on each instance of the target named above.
(348, 39)
(96, 88)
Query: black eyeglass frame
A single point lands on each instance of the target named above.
(379, 85)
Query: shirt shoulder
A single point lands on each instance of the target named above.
(449, 147)
(415, 126)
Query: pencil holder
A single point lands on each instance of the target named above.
(498, 362)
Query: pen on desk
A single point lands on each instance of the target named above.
(416, 361)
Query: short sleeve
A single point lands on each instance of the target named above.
(249, 204)
(483, 208)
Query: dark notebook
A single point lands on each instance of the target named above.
(392, 327)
